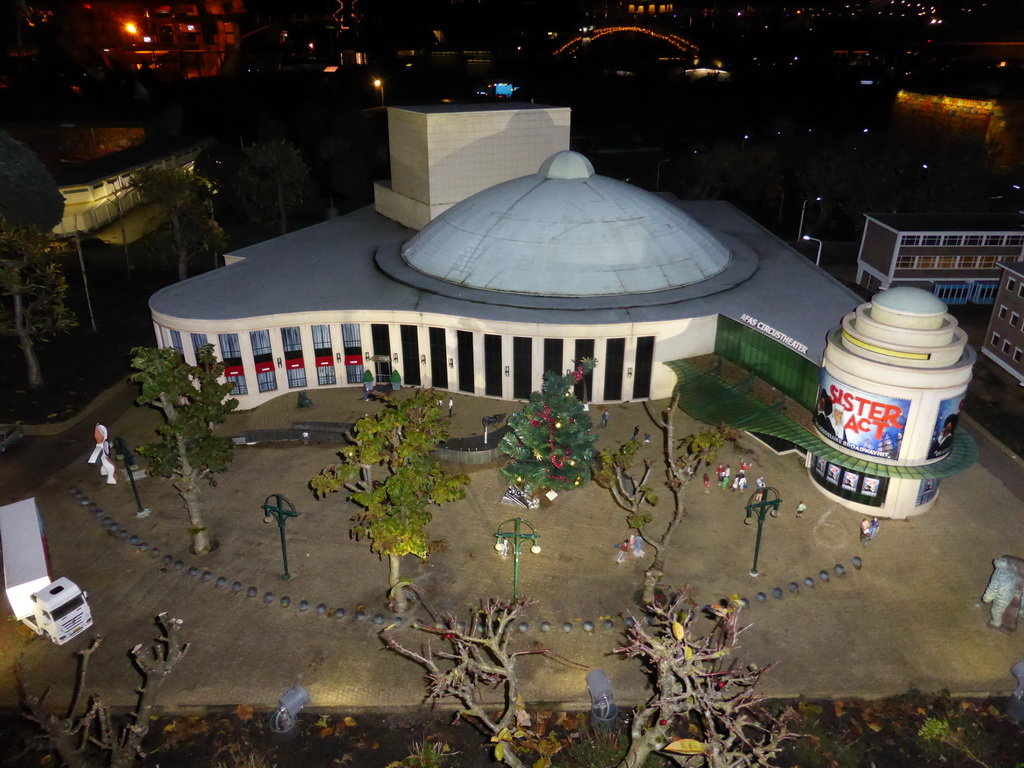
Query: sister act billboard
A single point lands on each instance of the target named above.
(860, 421)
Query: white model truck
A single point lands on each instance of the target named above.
(56, 609)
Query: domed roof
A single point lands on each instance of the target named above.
(565, 231)
(906, 300)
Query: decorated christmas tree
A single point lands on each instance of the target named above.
(550, 441)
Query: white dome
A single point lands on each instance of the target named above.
(907, 300)
(566, 232)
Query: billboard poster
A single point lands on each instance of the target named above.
(819, 465)
(927, 490)
(833, 474)
(850, 480)
(870, 487)
(946, 423)
(860, 421)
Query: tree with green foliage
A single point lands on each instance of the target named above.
(631, 489)
(550, 440)
(29, 196)
(32, 292)
(273, 180)
(184, 199)
(194, 400)
(398, 439)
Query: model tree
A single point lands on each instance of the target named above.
(550, 441)
(29, 196)
(194, 400)
(32, 292)
(396, 505)
(273, 180)
(184, 199)
(631, 488)
(473, 663)
(704, 709)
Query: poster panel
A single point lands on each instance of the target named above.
(927, 490)
(850, 480)
(833, 474)
(860, 421)
(870, 486)
(946, 422)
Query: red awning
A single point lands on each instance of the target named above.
(353, 359)
(322, 362)
(234, 370)
(264, 367)
(295, 362)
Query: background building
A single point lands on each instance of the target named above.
(1004, 340)
(953, 256)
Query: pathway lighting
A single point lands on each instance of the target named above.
(762, 502)
(516, 537)
(280, 511)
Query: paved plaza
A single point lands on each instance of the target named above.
(911, 616)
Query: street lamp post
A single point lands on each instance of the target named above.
(817, 259)
(122, 450)
(657, 176)
(762, 502)
(803, 211)
(517, 537)
(379, 83)
(281, 513)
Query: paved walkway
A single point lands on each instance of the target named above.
(910, 616)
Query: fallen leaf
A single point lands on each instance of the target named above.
(244, 711)
(874, 727)
(685, 747)
(349, 722)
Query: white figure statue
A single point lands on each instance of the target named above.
(102, 452)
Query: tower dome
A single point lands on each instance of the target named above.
(566, 231)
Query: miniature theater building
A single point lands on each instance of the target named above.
(893, 382)
(495, 254)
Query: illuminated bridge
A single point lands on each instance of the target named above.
(573, 46)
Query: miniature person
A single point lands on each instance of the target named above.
(707, 483)
(800, 509)
(638, 545)
(725, 476)
(760, 483)
(623, 548)
(101, 453)
(604, 419)
(636, 431)
(873, 527)
(865, 532)
(736, 482)
(647, 438)
(745, 465)
(451, 407)
(504, 548)
(305, 438)
(743, 483)
(720, 471)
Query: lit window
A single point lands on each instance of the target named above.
(905, 262)
(926, 262)
(947, 262)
